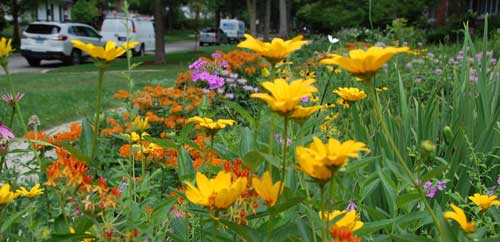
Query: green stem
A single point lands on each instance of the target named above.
(323, 95)
(323, 212)
(2, 160)
(12, 116)
(98, 112)
(283, 162)
(214, 231)
(21, 119)
(409, 174)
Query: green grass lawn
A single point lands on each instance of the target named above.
(179, 35)
(68, 93)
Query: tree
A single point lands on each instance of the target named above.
(85, 11)
(252, 13)
(159, 32)
(283, 19)
(267, 20)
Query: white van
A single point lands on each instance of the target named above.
(140, 29)
(233, 28)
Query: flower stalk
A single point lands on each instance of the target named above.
(385, 130)
(285, 151)
(101, 68)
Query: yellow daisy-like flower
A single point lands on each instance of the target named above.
(484, 201)
(274, 51)
(300, 114)
(35, 191)
(265, 72)
(140, 123)
(459, 216)
(285, 96)
(6, 196)
(134, 137)
(381, 89)
(364, 63)
(350, 220)
(308, 74)
(5, 47)
(350, 94)
(210, 124)
(266, 189)
(219, 192)
(343, 103)
(107, 53)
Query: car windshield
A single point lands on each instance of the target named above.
(228, 26)
(42, 29)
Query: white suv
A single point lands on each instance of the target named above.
(52, 41)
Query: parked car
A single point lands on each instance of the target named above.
(140, 29)
(233, 28)
(52, 41)
(210, 36)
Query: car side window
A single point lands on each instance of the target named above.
(90, 32)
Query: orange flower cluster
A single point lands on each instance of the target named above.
(69, 171)
(115, 128)
(343, 235)
(39, 136)
(72, 135)
(237, 59)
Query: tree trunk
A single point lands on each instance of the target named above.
(197, 7)
(252, 12)
(283, 20)
(159, 33)
(15, 22)
(267, 20)
(119, 6)
(171, 15)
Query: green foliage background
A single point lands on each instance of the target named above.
(84, 11)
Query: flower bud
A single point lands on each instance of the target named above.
(427, 150)
(447, 134)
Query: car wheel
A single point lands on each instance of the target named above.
(75, 58)
(33, 61)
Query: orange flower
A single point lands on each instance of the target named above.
(121, 94)
(39, 136)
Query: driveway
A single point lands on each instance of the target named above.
(17, 63)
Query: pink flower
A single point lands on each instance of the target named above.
(5, 132)
(9, 99)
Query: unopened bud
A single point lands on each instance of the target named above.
(34, 121)
(427, 150)
(447, 134)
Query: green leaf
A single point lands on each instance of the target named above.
(183, 135)
(164, 143)
(242, 112)
(253, 159)
(185, 165)
(245, 232)
(86, 138)
(246, 143)
(13, 218)
(410, 238)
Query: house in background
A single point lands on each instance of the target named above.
(53, 10)
(447, 8)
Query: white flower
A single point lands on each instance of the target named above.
(332, 40)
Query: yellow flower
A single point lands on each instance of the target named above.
(5, 47)
(302, 113)
(134, 137)
(274, 51)
(308, 74)
(484, 201)
(333, 69)
(73, 231)
(459, 216)
(285, 97)
(265, 72)
(218, 192)
(314, 168)
(343, 103)
(210, 124)
(107, 53)
(364, 64)
(146, 149)
(6, 196)
(35, 191)
(140, 123)
(350, 220)
(332, 153)
(381, 89)
(350, 94)
(266, 189)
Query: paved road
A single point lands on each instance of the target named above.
(17, 63)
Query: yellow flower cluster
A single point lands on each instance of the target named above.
(210, 124)
(107, 53)
(219, 192)
(276, 50)
(364, 63)
(285, 97)
(7, 196)
(350, 220)
(320, 160)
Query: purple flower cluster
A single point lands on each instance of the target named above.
(431, 189)
(202, 71)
